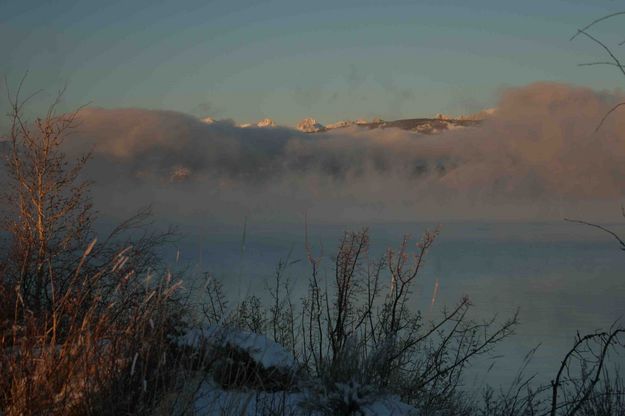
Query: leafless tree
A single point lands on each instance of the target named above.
(83, 324)
(52, 211)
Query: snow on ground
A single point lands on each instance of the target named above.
(212, 399)
(264, 351)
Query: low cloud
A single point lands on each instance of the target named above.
(537, 158)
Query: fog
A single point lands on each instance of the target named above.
(538, 158)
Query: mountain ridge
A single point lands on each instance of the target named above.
(421, 125)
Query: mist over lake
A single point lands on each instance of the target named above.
(563, 277)
(500, 190)
(328, 208)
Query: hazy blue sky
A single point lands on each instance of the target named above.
(289, 59)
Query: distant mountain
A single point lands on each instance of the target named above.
(310, 125)
(340, 124)
(418, 125)
(266, 122)
(435, 125)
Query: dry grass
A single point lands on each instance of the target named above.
(101, 341)
(85, 327)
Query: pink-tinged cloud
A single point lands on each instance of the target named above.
(537, 157)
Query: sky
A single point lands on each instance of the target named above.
(331, 60)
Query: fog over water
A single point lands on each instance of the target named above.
(537, 158)
(500, 192)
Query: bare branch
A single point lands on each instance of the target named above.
(617, 62)
(594, 22)
(612, 233)
(613, 109)
(597, 63)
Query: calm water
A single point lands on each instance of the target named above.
(562, 277)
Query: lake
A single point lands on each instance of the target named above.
(563, 277)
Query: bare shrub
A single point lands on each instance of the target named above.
(363, 331)
(86, 327)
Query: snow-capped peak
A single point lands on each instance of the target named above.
(310, 125)
(207, 120)
(340, 124)
(266, 122)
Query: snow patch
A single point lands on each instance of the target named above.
(266, 122)
(340, 124)
(304, 397)
(310, 125)
(212, 400)
(261, 349)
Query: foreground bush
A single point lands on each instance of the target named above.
(85, 327)
(358, 344)
(361, 333)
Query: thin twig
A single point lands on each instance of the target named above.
(613, 109)
(597, 63)
(601, 19)
(618, 63)
(612, 233)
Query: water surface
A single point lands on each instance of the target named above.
(562, 277)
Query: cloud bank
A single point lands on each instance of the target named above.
(537, 158)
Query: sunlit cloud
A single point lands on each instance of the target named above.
(538, 156)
